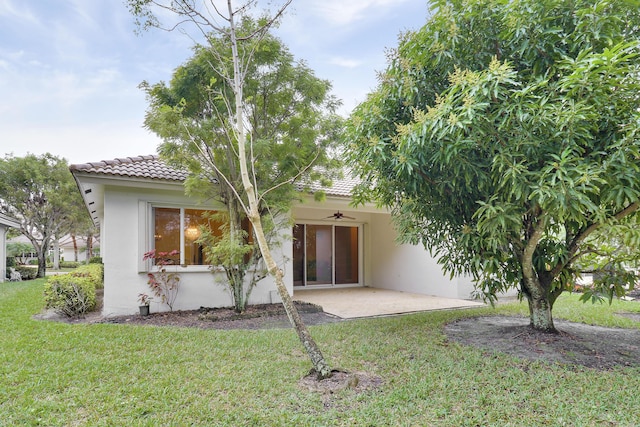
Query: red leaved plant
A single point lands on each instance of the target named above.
(163, 284)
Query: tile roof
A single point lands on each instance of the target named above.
(151, 167)
(340, 187)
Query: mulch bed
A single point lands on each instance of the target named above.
(261, 316)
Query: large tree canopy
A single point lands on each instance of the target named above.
(505, 136)
(233, 51)
(40, 193)
(290, 115)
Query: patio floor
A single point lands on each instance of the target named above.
(351, 303)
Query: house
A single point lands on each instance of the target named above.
(67, 249)
(5, 223)
(139, 204)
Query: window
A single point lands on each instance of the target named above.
(325, 255)
(178, 229)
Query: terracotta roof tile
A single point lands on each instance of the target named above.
(151, 167)
(341, 187)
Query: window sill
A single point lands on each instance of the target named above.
(187, 269)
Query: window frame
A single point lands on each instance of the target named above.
(150, 237)
(360, 226)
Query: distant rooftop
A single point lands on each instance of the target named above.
(151, 167)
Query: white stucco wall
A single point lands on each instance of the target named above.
(387, 264)
(3, 252)
(407, 268)
(126, 235)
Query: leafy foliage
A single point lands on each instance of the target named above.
(26, 273)
(292, 127)
(238, 254)
(20, 251)
(504, 135)
(38, 192)
(163, 283)
(74, 294)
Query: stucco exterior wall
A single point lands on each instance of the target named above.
(3, 252)
(126, 235)
(405, 267)
(387, 264)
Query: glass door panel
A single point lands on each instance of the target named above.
(298, 255)
(346, 255)
(319, 255)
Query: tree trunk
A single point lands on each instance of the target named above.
(540, 317)
(320, 365)
(317, 359)
(56, 254)
(89, 247)
(42, 264)
(75, 247)
(537, 286)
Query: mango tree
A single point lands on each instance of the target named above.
(505, 136)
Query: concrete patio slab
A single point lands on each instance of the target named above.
(351, 303)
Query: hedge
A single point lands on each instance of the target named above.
(62, 264)
(27, 273)
(74, 294)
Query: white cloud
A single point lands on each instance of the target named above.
(81, 143)
(70, 69)
(344, 62)
(341, 12)
(13, 12)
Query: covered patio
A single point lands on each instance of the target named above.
(352, 303)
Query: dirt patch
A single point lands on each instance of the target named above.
(576, 344)
(340, 380)
(262, 316)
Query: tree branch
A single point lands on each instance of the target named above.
(580, 237)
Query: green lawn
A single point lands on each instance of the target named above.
(117, 375)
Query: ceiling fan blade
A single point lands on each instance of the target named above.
(338, 216)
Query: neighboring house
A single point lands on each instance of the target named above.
(139, 204)
(5, 223)
(67, 251)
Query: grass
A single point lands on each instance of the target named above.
(55, 374)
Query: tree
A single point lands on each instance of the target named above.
(292, 123)
(37, 190)
(80, 226)
(20, 251)
(505, 137)
(232, 65)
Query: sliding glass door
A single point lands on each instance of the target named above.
(326, 254)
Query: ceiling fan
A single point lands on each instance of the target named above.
(339, 215)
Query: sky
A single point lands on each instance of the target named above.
(70, 70)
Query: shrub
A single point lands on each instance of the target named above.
(70, 295)
(163, 283)
(27, 273)
(94, 271)
(69, 264)
(74, 294)
(95, 260)
(11, 261)
(34, 262)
